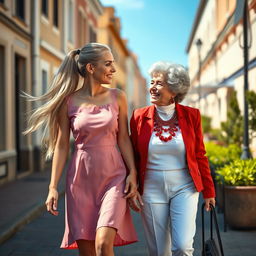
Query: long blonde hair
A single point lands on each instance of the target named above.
(63, 84)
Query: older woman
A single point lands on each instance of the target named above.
(173, 169)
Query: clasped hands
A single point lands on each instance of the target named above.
(132, 195)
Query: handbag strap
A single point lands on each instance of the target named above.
(213, 217)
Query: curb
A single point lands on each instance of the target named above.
(20, 222)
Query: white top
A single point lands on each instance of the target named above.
(169, 155)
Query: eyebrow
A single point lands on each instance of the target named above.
(158, 81)
(109, 61)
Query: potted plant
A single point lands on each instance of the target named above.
(218, 157)
(239, 180)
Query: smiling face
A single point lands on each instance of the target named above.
(160, 93)
(104, 69)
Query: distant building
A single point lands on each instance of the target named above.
(215, 40)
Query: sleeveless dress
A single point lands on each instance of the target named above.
(96, 176)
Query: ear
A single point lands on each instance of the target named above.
(90, 68)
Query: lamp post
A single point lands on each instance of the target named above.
(199, 46)
(246, 151)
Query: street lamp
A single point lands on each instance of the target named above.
(199, 46)
(246, 151)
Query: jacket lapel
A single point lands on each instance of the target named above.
(147, 125)
(184, 125)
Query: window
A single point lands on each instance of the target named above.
(45, 7)
(20, 9)
(93, 36)
(70, 23)
(44, 81)
(55, 13)
(2, 99)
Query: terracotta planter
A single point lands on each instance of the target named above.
(240, 206)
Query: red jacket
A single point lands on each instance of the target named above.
(141, 125)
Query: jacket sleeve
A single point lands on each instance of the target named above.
(202, 160)
(134, 139)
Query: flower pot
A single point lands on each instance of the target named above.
(240, 206)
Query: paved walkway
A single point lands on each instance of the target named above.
(30, 231)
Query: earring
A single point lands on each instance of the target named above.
(171, 100)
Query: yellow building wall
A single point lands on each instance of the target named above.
(48, 31)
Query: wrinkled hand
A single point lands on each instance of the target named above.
(130, 186)
(136, 202)
(52, 201)
(209, 201)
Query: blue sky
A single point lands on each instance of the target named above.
(156, 29)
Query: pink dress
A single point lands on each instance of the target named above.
(96, 177)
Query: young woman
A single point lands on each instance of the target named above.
(97, 183)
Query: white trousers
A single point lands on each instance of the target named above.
(169, 212)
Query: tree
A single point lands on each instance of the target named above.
(251, 99)
(233, 127)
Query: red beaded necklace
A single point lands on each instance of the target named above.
(159, 129)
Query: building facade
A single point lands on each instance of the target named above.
(216, 58)
(15, 76)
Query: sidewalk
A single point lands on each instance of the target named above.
(23, 200)
(22, 208)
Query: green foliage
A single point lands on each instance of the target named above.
(233, 127)
(238, 173)
(251, 99)
(206, 123)
(219, 155)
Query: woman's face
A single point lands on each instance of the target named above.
(103, 71)
(160, 93)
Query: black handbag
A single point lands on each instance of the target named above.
(210, 247)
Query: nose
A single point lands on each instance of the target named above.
(113, 69)
(152, 88)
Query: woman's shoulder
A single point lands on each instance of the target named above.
(191, 112)
(188, 109)
(143, 111)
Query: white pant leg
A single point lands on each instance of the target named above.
(156, 223)
(183, 210)
(155, 214)
(169, 195)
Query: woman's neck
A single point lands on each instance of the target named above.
(92, 88)
(166, 112)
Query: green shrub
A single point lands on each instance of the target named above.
(233, 127)
(238, 173)
(219, 155)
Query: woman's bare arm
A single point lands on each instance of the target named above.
(59, 158)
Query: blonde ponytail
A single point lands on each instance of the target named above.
(64, 83)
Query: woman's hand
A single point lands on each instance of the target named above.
(130, 185)
(136, 202)
(209, 201)
(52, 201)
